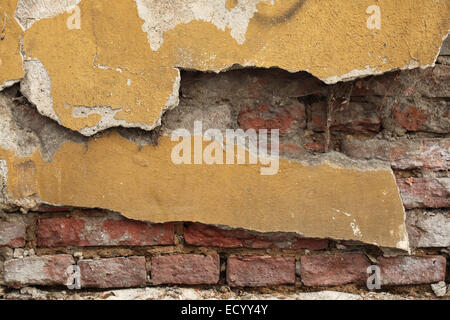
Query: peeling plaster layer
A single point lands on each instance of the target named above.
(112, 173)
(125, 54)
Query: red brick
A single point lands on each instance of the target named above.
(316, 146)
(425, 192)
(12, 234)
(419, 114)
(260, 271)
(406, 270)
(409, 117)
(37, 270)
(110, 230)
(289, 118)
(210, 236)
(333, 270)
(113, 273)
(404, 154)
(356, 117)
(186, 269)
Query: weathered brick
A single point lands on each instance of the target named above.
(186, 269)
(37, 270)
(333, 270)
(425, 192)
(412, 270)
(356, 117)
(203, 235)
(404, 154)
(410, 117)
(110, 230)
(431, 82)
(113, 273)
(12, 234)
(319, 116)
(428, 229)
(420, 114)
(286, 118)
(260, 271)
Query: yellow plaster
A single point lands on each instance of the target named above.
(10, 35)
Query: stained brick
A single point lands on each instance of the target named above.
(204, 235)
(356, 117)
(425, 192)
(110, 230)
(287, 118)
(38, 270)
(431, 82)
(186, 269)
(260, 271)
(113, 273)
(420, 114)
(319, 116)
(428, 229)
(333, 270)
(412, 270)
(404, 154)
(12, 234)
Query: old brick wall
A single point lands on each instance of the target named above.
(402, 117)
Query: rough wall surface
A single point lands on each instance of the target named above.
(88, 118)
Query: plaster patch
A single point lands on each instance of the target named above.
(12, 137)
(161, 16)
(30, 11)
(37, 86)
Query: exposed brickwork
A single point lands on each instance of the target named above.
(102, 231)
(412, 270)
(210, 236)
(401, 118)
(186, 269)
(425, 192)
(256, 271)
(12, 234)
(332, 270)
(42, 270)
(113, 273)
